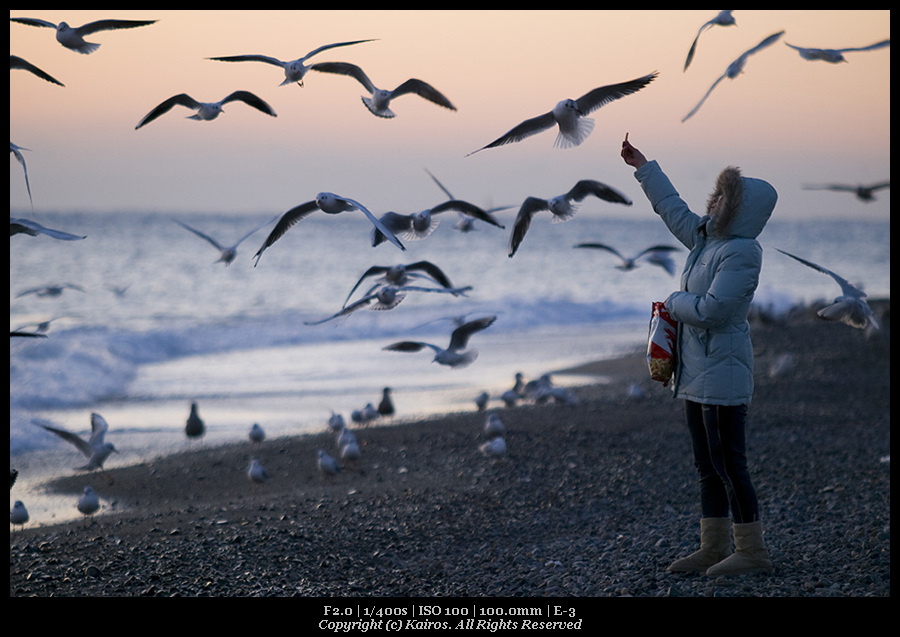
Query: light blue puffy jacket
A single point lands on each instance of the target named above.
(714, 363)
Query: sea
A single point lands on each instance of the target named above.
(153, 323)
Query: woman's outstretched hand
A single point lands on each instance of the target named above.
(632, 156)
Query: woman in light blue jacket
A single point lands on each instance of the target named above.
(714, 360)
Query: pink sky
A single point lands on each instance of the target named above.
(786, 119)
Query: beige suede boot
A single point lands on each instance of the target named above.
(715, 545)
(750, 554)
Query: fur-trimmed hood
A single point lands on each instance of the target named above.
(746, 206)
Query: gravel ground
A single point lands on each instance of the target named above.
(594, 499)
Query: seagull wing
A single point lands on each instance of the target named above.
(345, 68)
(526, 129)
(33, 228)
(846, 288)
(250, 99)
(460, 336)
(372, 271)
(690, 55)
(466, 208)
(325, 47)
(215, 243)
(182, 99)
(410, 346)
(871, 47)
(99, 427)
(423, 89)
(284, 224)
(68, 436)
(593, 100)
(15, 62)
(376, 222)
(769, 41)
(601, 246)
(529, 207)
(587, 187)
(433, 271)
(17, 151)
(34, 22)
(111, 25)
(363, 302)
(700, 103)
(439, 184)
(657, 248)
(250, 58)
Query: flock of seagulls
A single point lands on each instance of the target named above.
(569, 117)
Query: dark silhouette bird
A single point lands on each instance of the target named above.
(194, 427)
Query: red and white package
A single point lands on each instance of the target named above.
(661, 344)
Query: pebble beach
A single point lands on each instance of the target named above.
(593, 499)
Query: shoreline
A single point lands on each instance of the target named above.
(592, 499)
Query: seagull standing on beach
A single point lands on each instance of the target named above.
(735, 68)
(328, 466)
(834, 56)
(15, 62)
(257, 435)
(386, 406)
(453, 355)
(570, 115)
(16, 150)
(850, 307)
(33, 229)
(95, 448)
(227, 254)
(563, 207)
(419, 225)
(328, 203)
(380, 101)
(89, 503)
(73, 37)
(493, 426)
(493, 448)
(657, 255)
(294, 70)
(257, 472)
(194, 427)
(722, 19)
(18, 515)
(862, 192)
(206, 111)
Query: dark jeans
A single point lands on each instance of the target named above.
(717, 437)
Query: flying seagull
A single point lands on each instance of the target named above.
(73, 37)
(454, 355)
(15, 62)
(735, 68)
(465, 223)
(206, 110)
(227, 253)
(862, 192)
(328, 203)
(380, 101)
(722, 19)
(657, 255)
(294, 70)
(419, 225)
(400, 274)
(834, 56)
(850, 307)
(387, 298)
(570, 115)
(562, 207)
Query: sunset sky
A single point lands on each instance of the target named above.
(785, 119)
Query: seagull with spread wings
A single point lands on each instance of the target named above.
(73, 37)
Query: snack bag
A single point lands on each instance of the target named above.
(661, 344)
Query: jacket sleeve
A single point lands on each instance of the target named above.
(733, 283)
(667, 203)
